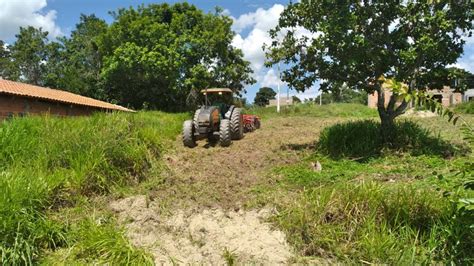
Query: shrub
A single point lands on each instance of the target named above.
(465, 108)
(362, 139)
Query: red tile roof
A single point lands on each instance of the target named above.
(27, 90)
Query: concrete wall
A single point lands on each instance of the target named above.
(283, 101)
(447, 97)
(20, 106)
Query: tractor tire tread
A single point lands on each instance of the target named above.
(236, 124)
(224, 133)
(188, 134)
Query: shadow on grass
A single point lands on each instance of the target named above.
(361, 140)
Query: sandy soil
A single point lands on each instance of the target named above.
(198, 215)
(210, 236)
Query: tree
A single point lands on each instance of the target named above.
(5, 60)
(363, 43)
(75, 63)
(296, 99)
(264, 95)
(29, 54)
(158, 54)
(459, 78)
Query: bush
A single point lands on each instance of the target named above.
(45, 161)
(362, 139)
(465, 108)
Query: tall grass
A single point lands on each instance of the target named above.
(362, 139)
(465, 108)
(313, 110)
(45, 161)
(368, 222)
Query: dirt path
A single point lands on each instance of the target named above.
(197, 214)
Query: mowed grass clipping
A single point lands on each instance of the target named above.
(45, 161)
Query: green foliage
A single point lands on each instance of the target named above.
(367, 222)
(362, 139)
(29, 52)
(160, 53)
(78, 63)
(343, 95)
(99, 242)
(465, 108)
(358, 43)
(296, 99)
(45, 161)
(264, 95)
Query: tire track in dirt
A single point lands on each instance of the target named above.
(196, 215)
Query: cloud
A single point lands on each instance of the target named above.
(257, 24)
(16, 13)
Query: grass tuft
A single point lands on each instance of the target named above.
(362, 140)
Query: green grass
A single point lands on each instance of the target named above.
(465, 108)
(393, 208)
(389, 209)
(343, 110)
(363, 139)
(49, 163)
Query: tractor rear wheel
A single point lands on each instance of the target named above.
(188, 134)
(224, 133)
(196, 117)
(237, 124)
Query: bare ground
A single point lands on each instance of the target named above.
(198, 215)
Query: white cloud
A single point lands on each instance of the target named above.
(16, 13)
(270, 79)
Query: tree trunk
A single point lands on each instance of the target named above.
(387, 115)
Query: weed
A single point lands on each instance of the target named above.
(229, 257)
(46, 163)
(465, 108)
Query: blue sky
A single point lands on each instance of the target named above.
(252, 20)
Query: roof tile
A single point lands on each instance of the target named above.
(27, 90)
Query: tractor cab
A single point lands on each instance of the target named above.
(218, 97)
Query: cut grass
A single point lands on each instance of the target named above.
(49, 163)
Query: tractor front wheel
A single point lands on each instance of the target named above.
(237, 124)
(224, 133)
(188, 134)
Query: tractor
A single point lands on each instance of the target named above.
(217, 120)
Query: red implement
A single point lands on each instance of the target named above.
(251, 123)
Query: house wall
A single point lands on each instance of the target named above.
(447, 96)
(19, 106)
(283, 101)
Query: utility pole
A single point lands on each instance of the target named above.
(278, 94)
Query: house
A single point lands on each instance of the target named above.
(469, 95)
(445, 96)
(283, 101)
(20, 99)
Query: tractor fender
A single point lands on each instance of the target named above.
(229, 113)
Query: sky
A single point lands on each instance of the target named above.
(252, 21)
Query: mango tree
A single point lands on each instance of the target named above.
(364, 43)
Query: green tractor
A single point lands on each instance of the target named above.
(217, 120)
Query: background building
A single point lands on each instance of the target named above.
(20, 99)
